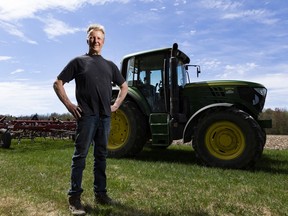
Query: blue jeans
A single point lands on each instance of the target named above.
(90, 129)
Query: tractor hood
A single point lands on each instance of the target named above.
(234, 83)
(249, 95)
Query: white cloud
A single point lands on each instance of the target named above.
(234, 10)
(54, 28)
(221, 4)
(179, 12)
(209, 64)
(16, 31)
(156, 9)
(180, 2)
(238, 70)
(244, 14)
(260, 15)
(17, 71)
(5, 58)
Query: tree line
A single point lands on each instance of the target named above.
(279, 118)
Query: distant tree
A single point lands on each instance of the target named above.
(64, 116)
(279, 121)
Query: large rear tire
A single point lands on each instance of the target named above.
(229, 139)
(128, 131)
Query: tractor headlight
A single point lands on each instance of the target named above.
(261, 91)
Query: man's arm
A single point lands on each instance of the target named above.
(121, 96)
(61, 93)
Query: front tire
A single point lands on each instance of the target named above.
(128, 131)
(229, 139)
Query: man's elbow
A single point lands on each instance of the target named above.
(124, 87)
(57, 83)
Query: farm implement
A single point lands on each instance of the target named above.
(34, 128)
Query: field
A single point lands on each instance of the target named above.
(35, 178)
(277, 142)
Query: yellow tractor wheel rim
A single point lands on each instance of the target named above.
(225, 140)
(119, 131)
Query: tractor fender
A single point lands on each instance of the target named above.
(188, 130)
(136, 98)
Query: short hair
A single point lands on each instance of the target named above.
(96, 27)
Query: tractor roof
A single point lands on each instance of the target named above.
(167, 50)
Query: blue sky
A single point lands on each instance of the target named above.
(241, 39)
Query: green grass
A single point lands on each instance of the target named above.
(35, 178)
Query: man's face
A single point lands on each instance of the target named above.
(95, 41)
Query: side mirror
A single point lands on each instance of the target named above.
(198, 70)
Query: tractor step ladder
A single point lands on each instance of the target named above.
(160, 129)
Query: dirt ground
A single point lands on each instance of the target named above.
(277, 142)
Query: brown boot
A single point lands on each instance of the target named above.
(75, 205)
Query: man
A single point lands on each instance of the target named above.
(93, 77)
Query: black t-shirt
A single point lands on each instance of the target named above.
(93, 77)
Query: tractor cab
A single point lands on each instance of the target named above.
(149, 73)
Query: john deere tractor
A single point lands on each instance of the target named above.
(221, 118)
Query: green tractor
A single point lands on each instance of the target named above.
(221, 118)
